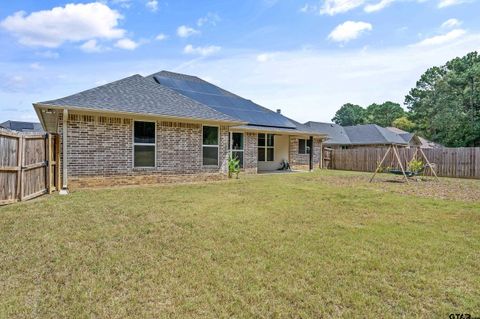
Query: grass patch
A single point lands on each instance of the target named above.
(325, 244)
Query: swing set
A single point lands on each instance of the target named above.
(406, 173)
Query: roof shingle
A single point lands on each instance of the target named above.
(139, 95)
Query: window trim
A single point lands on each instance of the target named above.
(230, 144)
(306, 146)
(143, 144)
(266, 147)
(217, 146)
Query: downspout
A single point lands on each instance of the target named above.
(64, 190)
(311, 154)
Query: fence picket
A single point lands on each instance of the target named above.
(450, 162)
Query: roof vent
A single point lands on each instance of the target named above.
(279, 111)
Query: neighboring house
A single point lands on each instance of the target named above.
(22, 126)
(368, 135)
(413, 139)
(170, 126)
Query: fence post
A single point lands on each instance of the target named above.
(48, 156)
(21, 159)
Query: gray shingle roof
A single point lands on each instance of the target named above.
(139, 95)
(424, 143)
(372, 134)
(369, 134)
(336, 133)
(22, 126)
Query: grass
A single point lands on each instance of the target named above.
(326, 244)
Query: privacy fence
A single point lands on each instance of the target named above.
(28, 165)
(450, 162)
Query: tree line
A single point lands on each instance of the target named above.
(444, 105)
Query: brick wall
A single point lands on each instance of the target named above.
(250, 152)
(301, 161)
(100, 152)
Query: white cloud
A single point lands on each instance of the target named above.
(443, 38)
(152, 5)
(210, 18)
(36, 66)
(127, 44)
(203, 51)
(369, 8)
(349, 30)
(184, 31)
(332, 7)
(126, 4)
(264, 57)
(309, 8)
(451, 23)
(448, 3)
(74, 22)
(48, 54)
(291, 81)
(91, 46)
(161, 37)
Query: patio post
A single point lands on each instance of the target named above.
(310, 158)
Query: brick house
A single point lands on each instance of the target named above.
(168, 127)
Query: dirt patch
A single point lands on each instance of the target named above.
(445, 188)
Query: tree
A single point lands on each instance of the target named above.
(384, 114)
(404, 123)
(350, 114)
(445, 103)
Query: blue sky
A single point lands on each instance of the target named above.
(304, 57)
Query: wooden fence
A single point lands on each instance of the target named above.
(27, 166)
(450, 162)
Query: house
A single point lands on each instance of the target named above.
(22, 126)
(413, 139)
(368, 135)
(169, 126)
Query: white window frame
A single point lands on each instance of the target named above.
(267, 147)
(217, 146)
(306, 146)
(230, 146)
(143, 144)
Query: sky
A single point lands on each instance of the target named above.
(306, 58)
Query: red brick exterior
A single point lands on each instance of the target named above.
(301, 161)
(100, 152)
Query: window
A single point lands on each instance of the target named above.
(265, 147)
(235, 143)
(304, 146)
(143, 144)
(210, 145)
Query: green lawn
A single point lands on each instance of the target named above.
(306, 245)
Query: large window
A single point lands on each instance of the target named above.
(304, 146)
(265, 147)
(210, 145)
(144, 144)
(236, 146)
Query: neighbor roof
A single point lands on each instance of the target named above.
(222, 100)
(372, 134)
(139, 95)
(336, 133)
(369, 134)
(22, 126)
(424, 143)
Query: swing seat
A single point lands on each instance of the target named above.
(408, 173)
